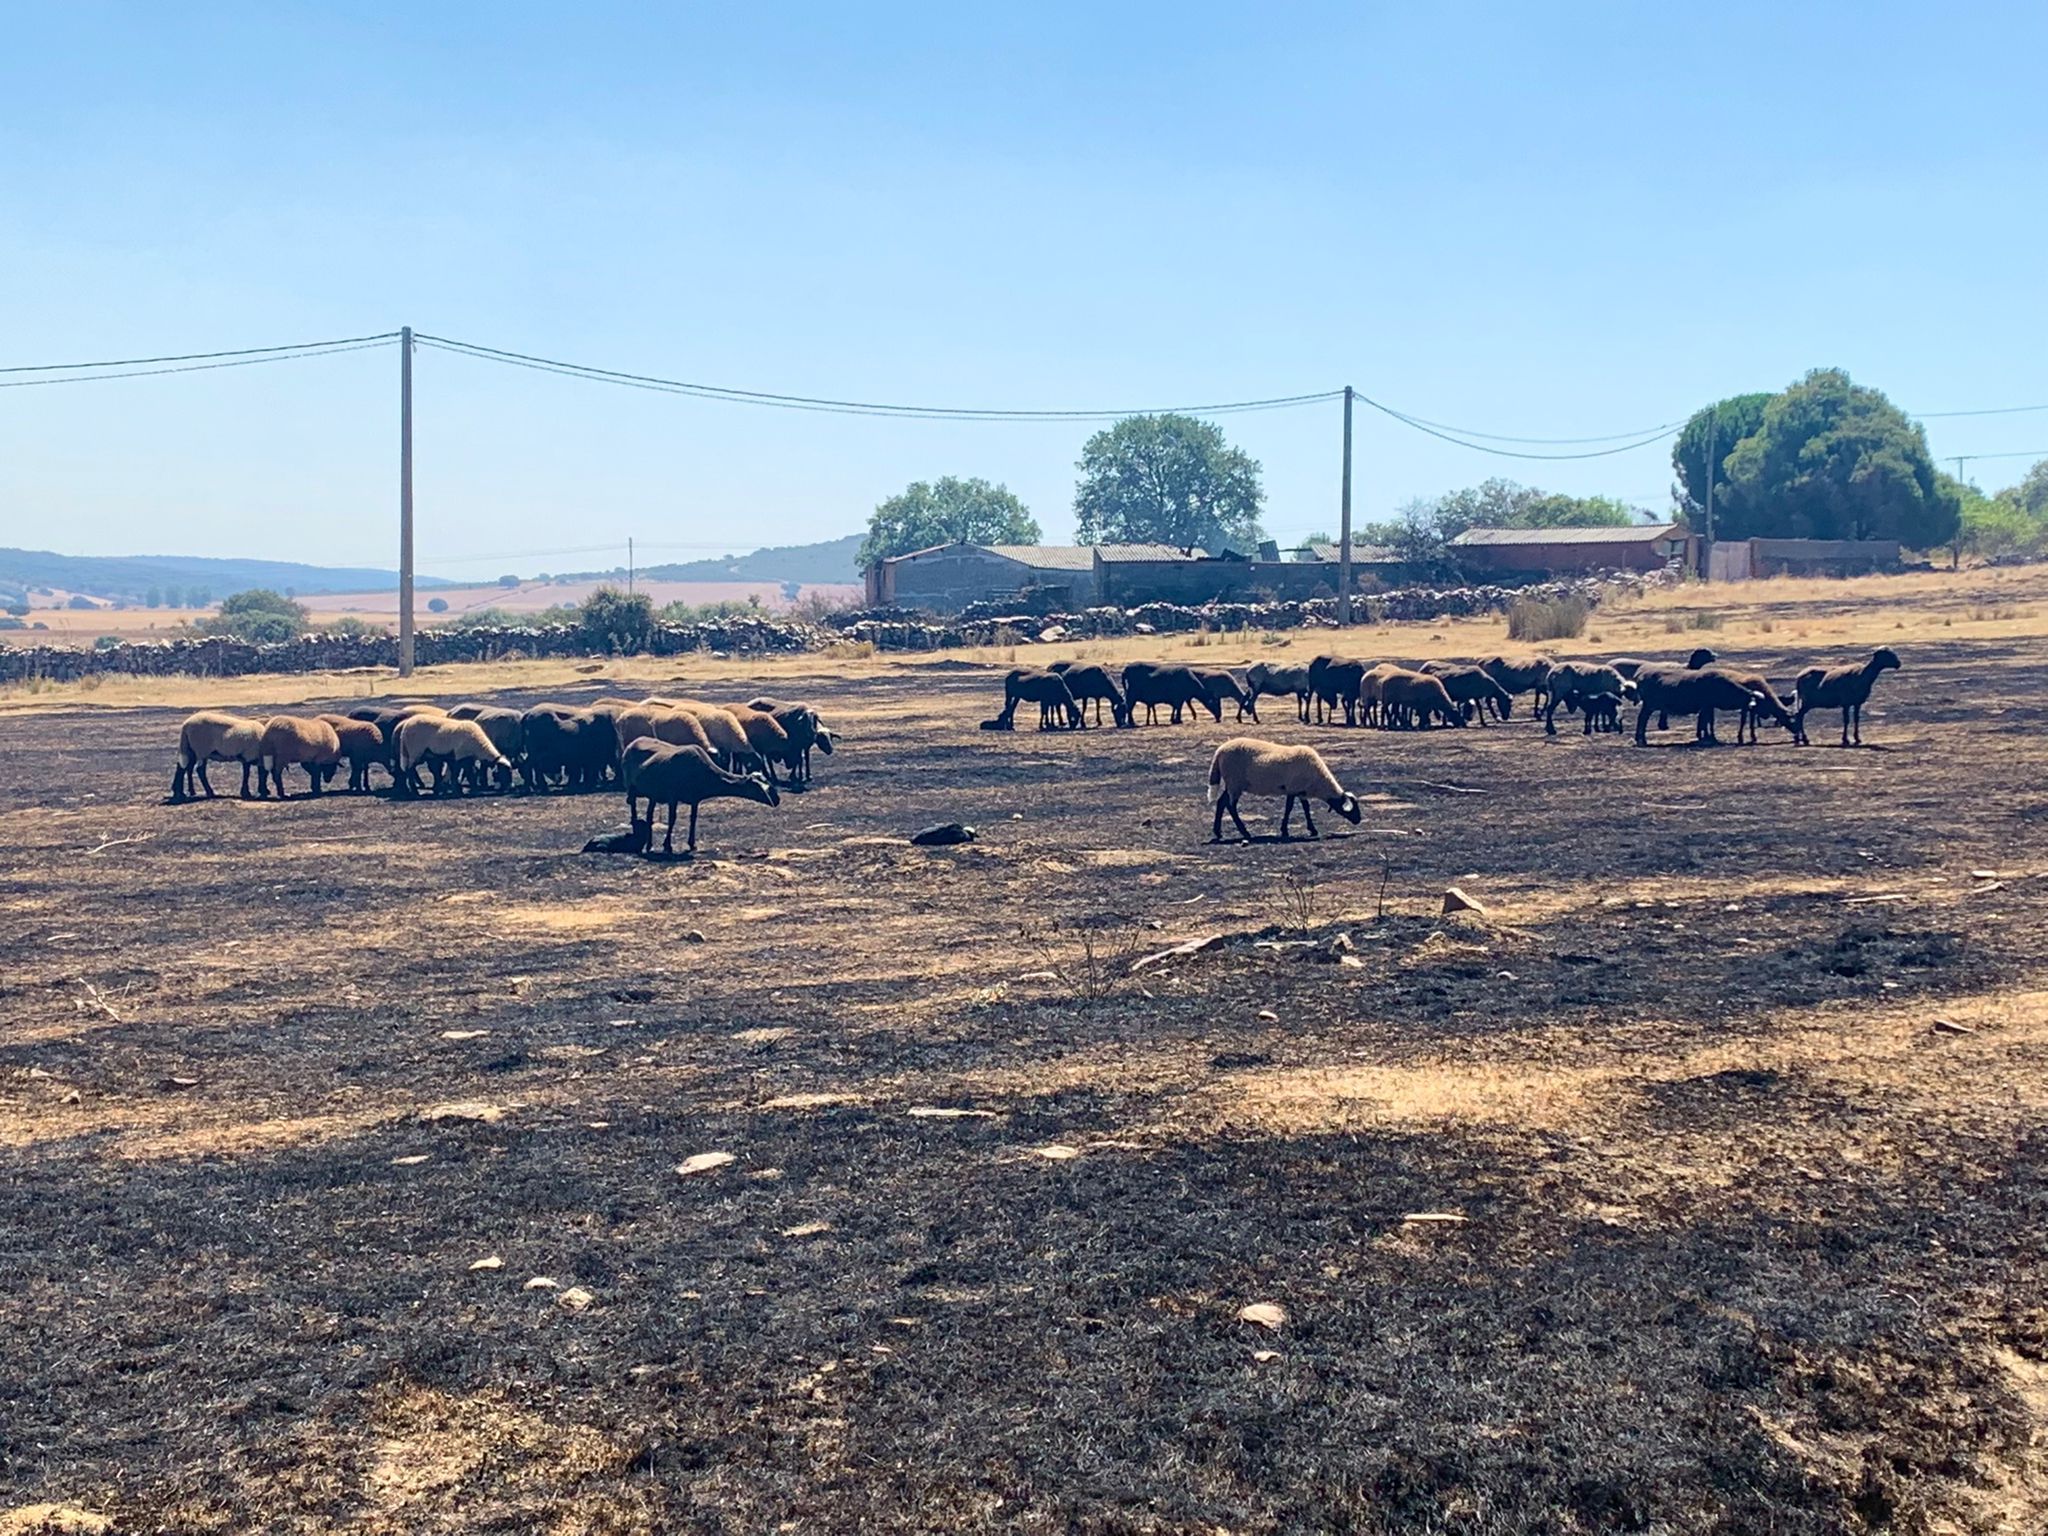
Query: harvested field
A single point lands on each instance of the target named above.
(1699, 1185)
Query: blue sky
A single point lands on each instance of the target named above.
(1555, 220)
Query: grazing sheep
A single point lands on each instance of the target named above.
(722, 727)
(1843, 688)
(288, 739)
(1048, 690)
(673, 776)
(213, 737)
(1155, 683)
(1220, 683)
(1764, 702)
(1408, 698)
(579, 745)
(805, 729)
(1604, 710)
(1246, 766)
(1333, 680)
(1263, 677)
(1667, 691)
(676, 727)
(1086, 681)
(1530, 674)
(388, 718)
(1572, 683)
(1471, 687)
(507, 730)
(767, 737)
(448, 747)
(1629, 666)
(362, 744)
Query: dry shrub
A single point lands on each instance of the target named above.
(848, 650)
(1533, 619)
(1693, 618)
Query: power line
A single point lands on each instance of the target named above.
(1497, 437)
(857, 407)
(196, 357)
(1997, 410)
(1507, 453)
(2021, 453)
(145, 373)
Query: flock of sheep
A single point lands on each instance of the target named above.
(669, 752)
(676, 752)
(1393, 696)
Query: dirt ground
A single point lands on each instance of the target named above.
(1698, 1185)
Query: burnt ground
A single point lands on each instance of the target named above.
(1737, 1088)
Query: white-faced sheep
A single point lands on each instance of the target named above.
(1843, 688)
(287, 739)
(362, 744)
(805, 730)
(1246, 766)
(447, 746)
(1263, 677)
(674, 776)
(507, 730)
(213, 737)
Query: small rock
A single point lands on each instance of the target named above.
(1267, 1314)
(542, 1283)
(1056, 1152)
(1456, 900)
(944, 835)
(1434, 1218)
(464, 1034)
(1951, 1027)
(1265, 1355)
(493, 1262)
(693, 936)
(703, 1162)
(575, 1298)
(409, 1162)
(1268, 1016)
(181, 1082)
(466, 1109)
(807, 1229)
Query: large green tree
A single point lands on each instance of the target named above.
(947, 511)
(1836, 460)
(259, 615)
(1167, 480)
(1731, 420)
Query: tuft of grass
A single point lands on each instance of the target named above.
(848, 650)
(1687, 619)
(1565, 619)
(1294, 899)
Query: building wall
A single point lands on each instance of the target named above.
(1632, 555)
(947, 580)
(1822, 557)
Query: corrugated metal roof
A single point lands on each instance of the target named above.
(1361, 554)
(1047, 557)
(1113, 553)
(1638, 533)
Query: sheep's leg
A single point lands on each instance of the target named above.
(668, 840)
(1286, 811)
(1643, 726)
(1216, 823)
(1243, 831)
(1307, 818)
(694, 804)
(1589, 721)
(1845, 723)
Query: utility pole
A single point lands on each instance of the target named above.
(405, 502)
(629, 565)
(1713, 421)
(1344, 524)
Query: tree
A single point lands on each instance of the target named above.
(1576, 512)
(2030, 496)
(198, 597)
(1835, 460)
(2013, 525)
(1732, 420)
(152, 598)
(948, 511)
(437, 605)
(1167, 480)
(508, 581)
(616, 623)
(17, 610)
(174, 597)
(259, 616)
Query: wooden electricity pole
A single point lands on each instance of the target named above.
(405, 502)
(1344, 524)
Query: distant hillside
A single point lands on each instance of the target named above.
(132, 576)
(811, 564)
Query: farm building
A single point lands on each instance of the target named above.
(947, 577)
(1741, 559)
(1646, 547)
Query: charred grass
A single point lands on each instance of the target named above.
(1735, 1093)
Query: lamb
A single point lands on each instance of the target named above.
(805, 729)
(448, 747)
(1412, 698)
(1246, 766)
(1153, 683)
(577, 744)
(213, 737)
(1572, 683)
(1086, 681)
(289, 739)
(1529, 675)
(1220, 683)
(1048, 690)
(1667, 691)
(1843, 688)
(361, 745)
(1263, 677)
(1470, 686)
(1604, 710)
(671, 776)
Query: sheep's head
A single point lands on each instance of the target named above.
(1505, 700)
(1884, 659)
(823, 741)
(761, 788)
(1346, 805)
(1628, 689)
(1700, 658)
